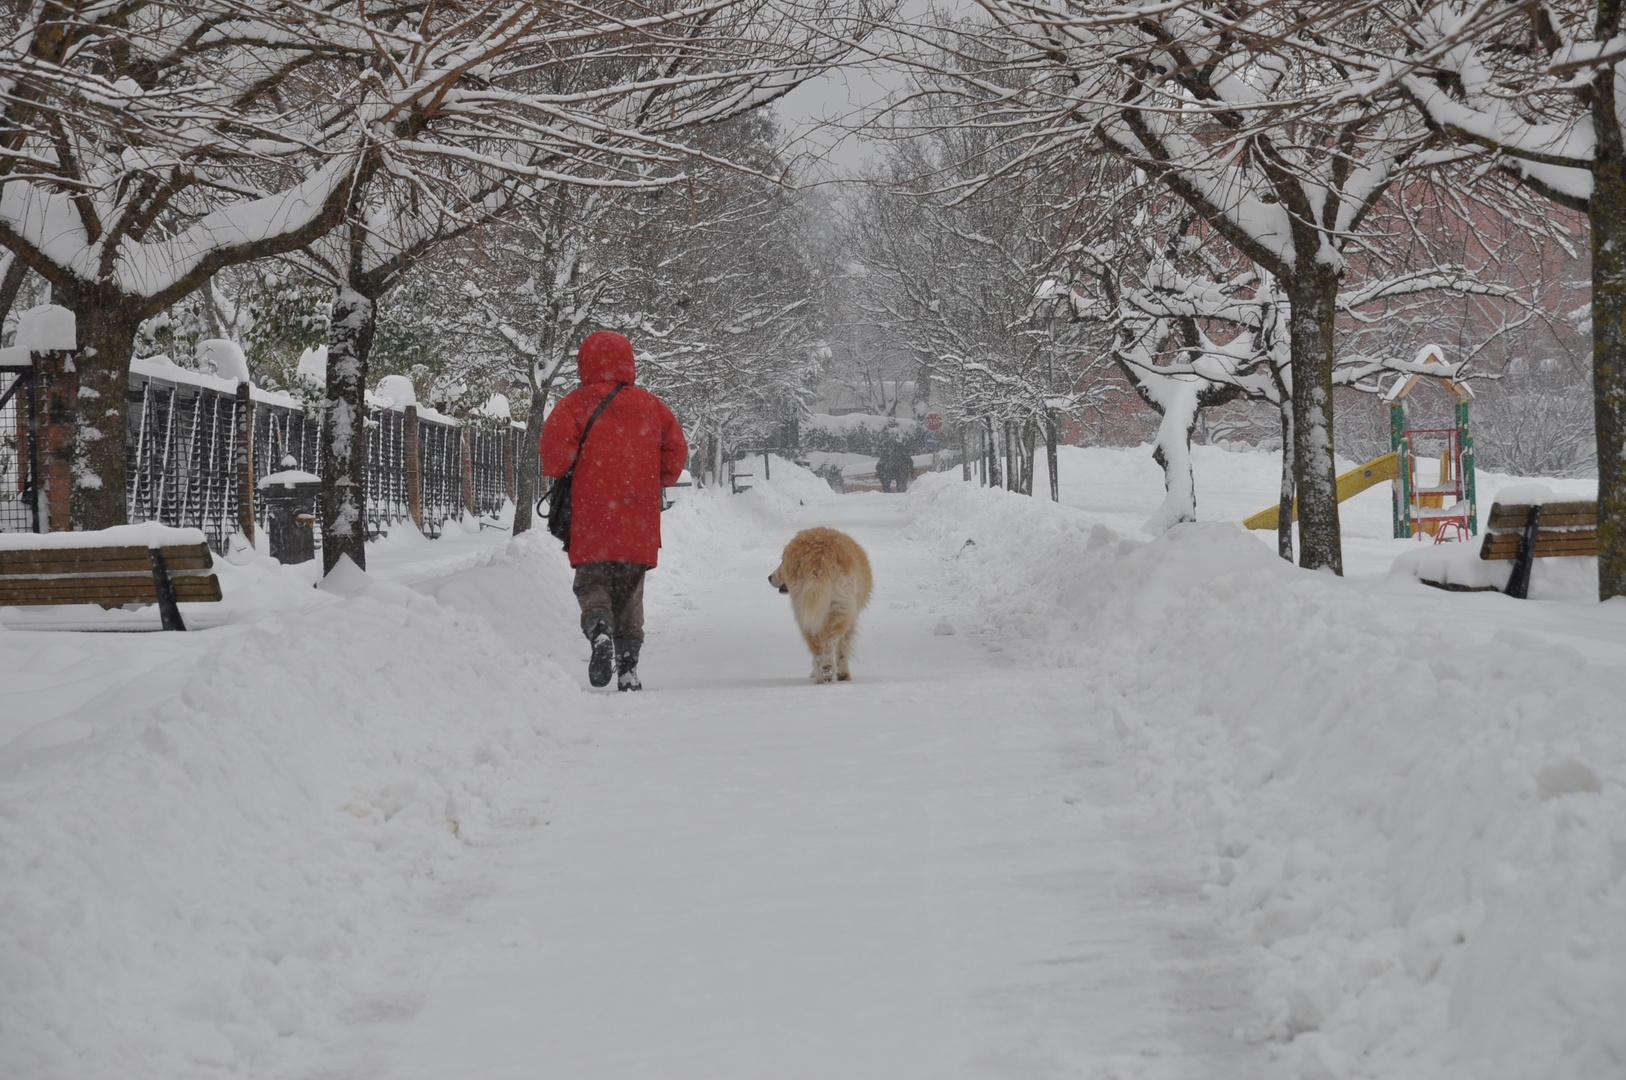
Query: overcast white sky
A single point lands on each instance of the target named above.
(818, 113)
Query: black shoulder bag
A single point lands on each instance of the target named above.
(559, 493)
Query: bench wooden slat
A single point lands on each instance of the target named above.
(1511, 516)
(1545, 549)
(113, 591)
(92, 575)
(124, 553)
(1507, 523)
(1543, 536)
(71, 567)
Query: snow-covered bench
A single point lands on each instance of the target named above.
(1528, 531)
(1533, 524)
(129, 564)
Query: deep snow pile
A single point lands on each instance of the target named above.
(1424, 832)
(204, 869)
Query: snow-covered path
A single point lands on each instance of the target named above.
(938, 870)
(1155, 790)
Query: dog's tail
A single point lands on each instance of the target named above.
(812, 602)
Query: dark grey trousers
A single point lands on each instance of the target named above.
(616, 587)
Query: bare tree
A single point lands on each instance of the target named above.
(1535, 89)
(1227, 107)
(1198, 325)
(969, 288)
(146, 146)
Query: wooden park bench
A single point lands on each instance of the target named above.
(1525, 532)
(131, 564)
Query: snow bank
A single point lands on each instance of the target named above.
(205, 868)
(1420, 828)
(147, 534)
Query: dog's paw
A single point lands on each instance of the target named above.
(825, 674)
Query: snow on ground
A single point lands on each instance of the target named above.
(1096, 804)
(1412, 801)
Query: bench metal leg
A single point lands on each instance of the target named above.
(169, 612)
(1518, 582)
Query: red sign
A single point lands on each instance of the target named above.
(934, 421)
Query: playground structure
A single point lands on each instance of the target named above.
(1449, 503)
(1433, 510)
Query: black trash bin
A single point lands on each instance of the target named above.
(290, 514)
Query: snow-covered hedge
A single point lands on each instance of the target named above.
(859, 433)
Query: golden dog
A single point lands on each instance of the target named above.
(827, 576)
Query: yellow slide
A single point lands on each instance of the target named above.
(1353, 482)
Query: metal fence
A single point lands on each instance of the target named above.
(185, 467)
(19, 504)
(440, 471)
(180, 456)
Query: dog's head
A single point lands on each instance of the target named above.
(777, 580)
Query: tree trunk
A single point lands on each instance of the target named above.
(965, 459)
(1284, 513)
(993, 457)
(529, 480)
(344, 503)
(106, 330)
(11, 284)
(1607, 211)
(1030, 444)
(1050, 456)
(1013, 467)
(1178, 398)
(1314, 294)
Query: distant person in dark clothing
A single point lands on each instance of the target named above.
(894, 466)
(635, 449)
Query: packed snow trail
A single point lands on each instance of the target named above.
(937, 870)
(1156, 790)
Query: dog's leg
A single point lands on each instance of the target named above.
(837, 632)
(817, 648)
(828, 661)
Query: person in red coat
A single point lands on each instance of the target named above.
(635, 449)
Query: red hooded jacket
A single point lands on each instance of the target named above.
(636, 448)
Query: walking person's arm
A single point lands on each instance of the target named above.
(561, 435)
(674, 450)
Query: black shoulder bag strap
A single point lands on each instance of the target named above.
(559, 510)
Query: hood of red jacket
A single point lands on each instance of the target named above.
(606, 357)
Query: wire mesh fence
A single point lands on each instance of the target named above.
(187, 463)
(440, 454)
(180, 456)
(19, 506)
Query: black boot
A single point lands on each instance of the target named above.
(626, 663)
(596, 625)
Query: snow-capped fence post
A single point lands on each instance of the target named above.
(56, 389)
(508, 464)
(414, 466)
(244, 464)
